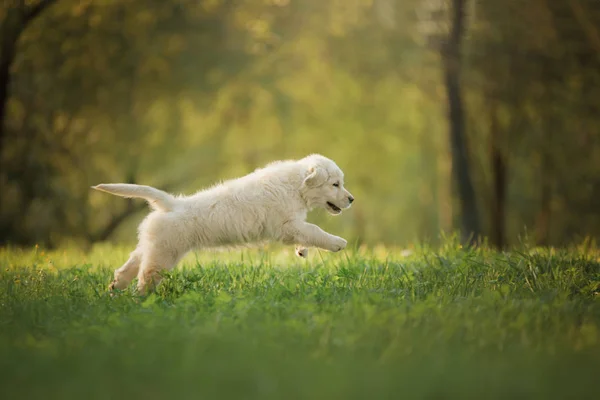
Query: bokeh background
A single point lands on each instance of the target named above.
(447, 115)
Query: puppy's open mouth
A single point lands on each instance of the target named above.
(333, 208)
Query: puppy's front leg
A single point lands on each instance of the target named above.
(310, 235)
(301, 251)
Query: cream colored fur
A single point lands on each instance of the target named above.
(270, 204)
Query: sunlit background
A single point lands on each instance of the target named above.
(485, 121)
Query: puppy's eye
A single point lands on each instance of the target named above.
(336, 184)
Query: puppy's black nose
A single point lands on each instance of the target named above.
(350, 199)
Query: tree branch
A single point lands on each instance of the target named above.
(36, 10)
(588, 26)
(115, 221)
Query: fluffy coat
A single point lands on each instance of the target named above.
(269, 204)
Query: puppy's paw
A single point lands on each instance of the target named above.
(302, 252)
(338, 244)
(112, 291)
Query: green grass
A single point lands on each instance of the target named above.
(446, 323)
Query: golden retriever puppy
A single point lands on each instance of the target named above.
(269, 204)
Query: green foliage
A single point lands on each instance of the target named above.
(449, 323)
(181, 94)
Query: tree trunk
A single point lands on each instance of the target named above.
(498, 166)
(444, 191)
(470, 228)
(7, 55)
(14, 23)
(542, 223)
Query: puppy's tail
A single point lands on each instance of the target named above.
(157, 199)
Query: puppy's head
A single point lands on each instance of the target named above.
(323, 184)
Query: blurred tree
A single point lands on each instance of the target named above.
(179, 94)
(15, 16)
(443, 22)
(536, 85)
(95, 85)
(451, 56)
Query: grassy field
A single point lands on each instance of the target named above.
(444, 323)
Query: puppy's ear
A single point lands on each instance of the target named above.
(316, 176)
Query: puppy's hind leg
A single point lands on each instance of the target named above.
(153, 263)
(125, 274)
